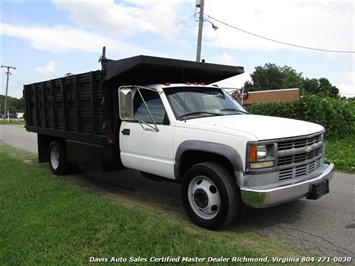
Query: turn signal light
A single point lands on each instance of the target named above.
(252, 153)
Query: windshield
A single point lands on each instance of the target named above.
(197, 102)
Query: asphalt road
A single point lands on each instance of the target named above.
(326, 225)
(17, 136)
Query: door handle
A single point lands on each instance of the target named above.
(126, 131)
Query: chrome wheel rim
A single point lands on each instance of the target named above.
(204, 197)
(54, 158)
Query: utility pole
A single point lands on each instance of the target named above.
(7, 86)
(200, 5)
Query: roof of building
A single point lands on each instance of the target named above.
(271, 96)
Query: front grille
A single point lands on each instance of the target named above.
(300, 157)
(296, 158)
(299, 143)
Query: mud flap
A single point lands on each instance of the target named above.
(318, 190)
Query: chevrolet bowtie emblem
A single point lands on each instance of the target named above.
(308, 149)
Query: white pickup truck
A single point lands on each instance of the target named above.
(193, 134)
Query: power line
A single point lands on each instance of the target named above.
(281, 42)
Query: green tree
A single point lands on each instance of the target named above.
(310, 85)
(13, 104)
(321, 87)
(271, 77)
(292, 79)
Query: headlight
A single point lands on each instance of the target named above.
(261, 156)
(261, 151)
(257, 152)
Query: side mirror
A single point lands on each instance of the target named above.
(125, 101)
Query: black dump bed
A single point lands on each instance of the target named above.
(84, 106)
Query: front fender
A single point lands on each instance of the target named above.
(219, 149)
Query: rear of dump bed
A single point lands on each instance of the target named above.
(72, 110)
(68, 104)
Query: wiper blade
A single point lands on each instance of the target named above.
(234, 110)
(197, 114)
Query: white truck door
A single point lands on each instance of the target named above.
(147, 144)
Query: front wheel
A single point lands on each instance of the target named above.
(210, 195)
(58, 158)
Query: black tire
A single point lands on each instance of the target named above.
(58, 158)
(210, 195)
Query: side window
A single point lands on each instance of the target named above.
(155, 107)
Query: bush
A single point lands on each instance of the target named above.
(336, 115)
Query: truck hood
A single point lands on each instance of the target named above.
(261, 127)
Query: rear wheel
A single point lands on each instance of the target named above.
(58, 158)
(210, 195)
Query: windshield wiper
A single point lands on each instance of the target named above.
(197, 114)
(234, 110)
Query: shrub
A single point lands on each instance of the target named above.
(336, 115)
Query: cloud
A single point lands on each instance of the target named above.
(124, 19)
(233, 82)
(318, 25)
(236, 81)
(226, 58)
(46, 70)
(135, 23)
(122, 26)
(57, 39)
(347, 88)
(350, 76)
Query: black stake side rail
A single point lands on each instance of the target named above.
(69, 107)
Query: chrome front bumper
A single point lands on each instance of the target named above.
(263, 198)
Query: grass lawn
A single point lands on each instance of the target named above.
(48, 221)
(341, 153)
(12, 122)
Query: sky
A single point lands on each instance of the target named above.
(48, 39)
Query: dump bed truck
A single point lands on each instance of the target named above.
(158, 116)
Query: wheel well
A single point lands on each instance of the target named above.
(190, 158)
(43, 145)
